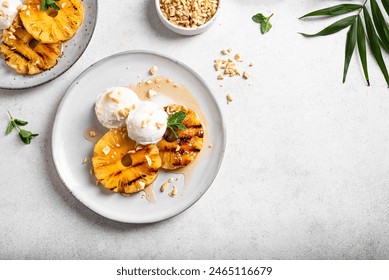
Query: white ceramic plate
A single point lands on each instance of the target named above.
(76, 114)
(72, 51)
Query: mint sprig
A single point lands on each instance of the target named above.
(25, 135)
(263, 21)
(46, 4)
(175, 122)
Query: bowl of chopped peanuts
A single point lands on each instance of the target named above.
(188, 17)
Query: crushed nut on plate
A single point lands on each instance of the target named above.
(151, 93)
(164, 186)
(173, 193)
(153, 70)
(230, 98)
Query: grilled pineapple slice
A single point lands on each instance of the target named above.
(177, 153)
(27, 56)
(120, 167)
(52, 26)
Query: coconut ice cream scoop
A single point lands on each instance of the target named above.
(8, 12)
(114, 105)
(147, 123)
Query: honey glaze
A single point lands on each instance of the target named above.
(93, 135)
(169, 92)
(149, 192)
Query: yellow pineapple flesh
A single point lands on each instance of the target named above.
(121, 166)
(52, 26)
(25, 55)
(180, 152)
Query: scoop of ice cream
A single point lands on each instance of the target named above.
(147, 123)
(114, 105)
(8, 12)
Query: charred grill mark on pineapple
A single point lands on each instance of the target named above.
(120, 175)
(133, 181)
(74, 6)
(12, 50)
(26, 57)
(181, 151)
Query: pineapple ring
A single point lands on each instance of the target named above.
(50, 27)
(120, 168)
(177, 153)
(26, 56)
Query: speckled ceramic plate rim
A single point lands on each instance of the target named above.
(67, 68)
(102, 61)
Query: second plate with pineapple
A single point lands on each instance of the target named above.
(119, 178)
(44, 42)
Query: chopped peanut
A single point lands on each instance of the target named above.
(189, 14)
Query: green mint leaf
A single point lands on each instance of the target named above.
(46, 4)
(55, 7)
(258, 18)
(181, 126)
(25, 133)
(175, 122)
(26, 141)
(26, 136)
(177, 118)
(266, 26)
(10, 128)
(263, 21)
(20, 122)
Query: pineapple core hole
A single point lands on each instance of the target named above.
(33, 43)
(52, 13)
(127, 160)
(169, 136)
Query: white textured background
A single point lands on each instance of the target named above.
(306, 173)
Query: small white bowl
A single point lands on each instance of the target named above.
(184, 30)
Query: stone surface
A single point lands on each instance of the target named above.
(306, 173)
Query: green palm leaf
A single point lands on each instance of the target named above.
(362, 49)
(334, 10)
(333, 28)
(380, 25)
(385, 3)
(350, 47)
(375, 44)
